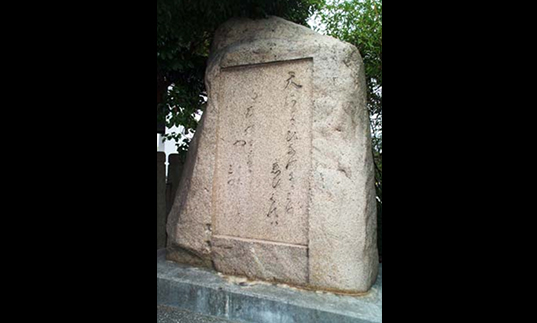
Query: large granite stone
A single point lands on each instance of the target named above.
(279, 182)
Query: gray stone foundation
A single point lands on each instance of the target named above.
(205, 292)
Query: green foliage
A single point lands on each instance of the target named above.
(184, 32)
(359, 22)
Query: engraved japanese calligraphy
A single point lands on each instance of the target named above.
(267, 142)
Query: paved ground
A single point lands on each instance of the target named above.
(169, 315)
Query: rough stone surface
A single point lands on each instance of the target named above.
(205, 292)
(261, 260)
(279, 183)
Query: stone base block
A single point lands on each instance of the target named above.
(209, 293)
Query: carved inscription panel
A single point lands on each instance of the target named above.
(264, 152)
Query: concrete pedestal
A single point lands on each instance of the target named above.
(206, 292)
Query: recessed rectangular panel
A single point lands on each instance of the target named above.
(264, 152)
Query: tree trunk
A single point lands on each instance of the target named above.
(162, 86)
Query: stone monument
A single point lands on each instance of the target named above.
(279, 181)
